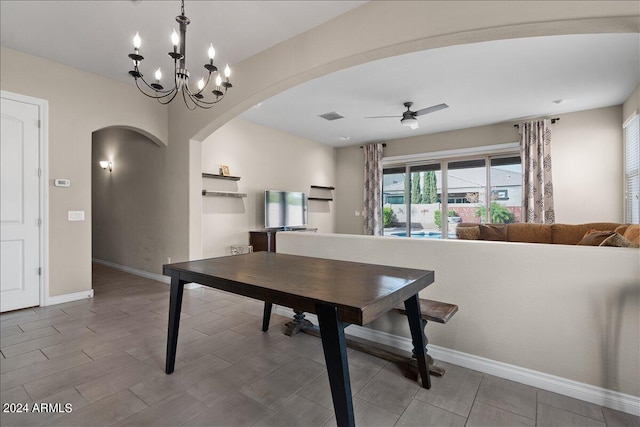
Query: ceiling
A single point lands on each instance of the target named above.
(483, 83)
(97, 36)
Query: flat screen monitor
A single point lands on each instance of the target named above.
(285, 209)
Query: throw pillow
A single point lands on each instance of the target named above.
(633, 233)
(619, 241)
(595, 238)
(621, 229)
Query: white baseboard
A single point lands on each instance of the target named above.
(589, 393)
(59, 299)
(142, 273)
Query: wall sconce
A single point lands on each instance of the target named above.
(105, 164)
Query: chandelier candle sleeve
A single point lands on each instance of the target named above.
(193, 99)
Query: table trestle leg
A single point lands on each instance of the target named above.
(412, 306)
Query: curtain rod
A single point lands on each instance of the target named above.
(552, 122)
(384, 144)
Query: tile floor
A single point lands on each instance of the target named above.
(103, 358)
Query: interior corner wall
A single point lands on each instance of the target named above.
(128, 222)
(264, 159)
(587, 165)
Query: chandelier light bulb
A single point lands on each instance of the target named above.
(158, 74)
(175, 38)
(137, 41)
(200, 84)
(212, 52)
(227, 71)
(218, 80)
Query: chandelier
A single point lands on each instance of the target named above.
(192, 98)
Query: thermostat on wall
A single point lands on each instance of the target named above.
(62, 182)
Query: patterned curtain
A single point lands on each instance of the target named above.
(535, 149)
(373, 189)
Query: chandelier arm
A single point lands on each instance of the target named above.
(184, 97)
(164, 92)
(143, 92)
(203, 87)
(165, 102)
(201, 103)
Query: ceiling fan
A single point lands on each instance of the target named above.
(409, 117)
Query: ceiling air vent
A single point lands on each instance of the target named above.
(331, 116)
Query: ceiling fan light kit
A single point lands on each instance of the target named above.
(410, 122)
(192, 98)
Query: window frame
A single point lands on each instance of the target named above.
(443, 158)
(631, 175)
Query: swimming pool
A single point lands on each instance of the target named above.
(423, 234)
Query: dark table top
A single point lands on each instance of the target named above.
(361, 291)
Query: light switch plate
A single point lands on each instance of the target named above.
(75, 215)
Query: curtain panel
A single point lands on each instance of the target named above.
(372, 189)
(535, 150)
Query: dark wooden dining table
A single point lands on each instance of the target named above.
(340, 293)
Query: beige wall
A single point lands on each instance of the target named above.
(587, 163)
(587, 160)
(128, 221)
(264, 158)
(79, 103)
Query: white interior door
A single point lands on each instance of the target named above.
(19, 208)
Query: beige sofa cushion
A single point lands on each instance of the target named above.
(531, 233)
(494, 232)
(468, 231)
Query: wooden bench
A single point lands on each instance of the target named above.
(432, 311)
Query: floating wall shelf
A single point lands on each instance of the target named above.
(323, 190)
(223, 193)
(213, 175)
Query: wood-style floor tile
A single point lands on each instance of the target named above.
(483, 415)
(548, 416)
(508, 395)
(454, 392)
(389, 389)
(422, 414)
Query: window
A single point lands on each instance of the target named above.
(485, 188)
(631, 170)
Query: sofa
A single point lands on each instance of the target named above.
(590, 234)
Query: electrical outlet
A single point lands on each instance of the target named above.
(168, 260)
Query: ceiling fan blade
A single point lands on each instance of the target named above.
(431, 109)
(383, 117)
